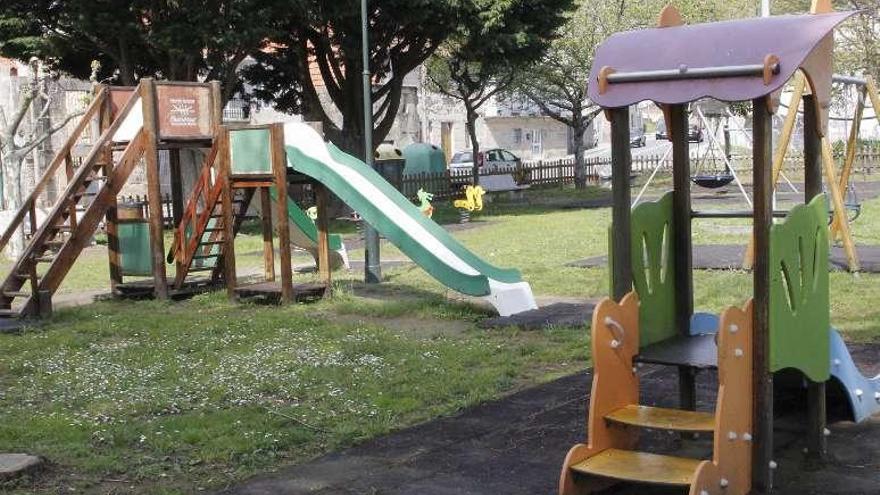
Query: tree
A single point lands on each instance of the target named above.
(186, 40)
(558, 83)
(492, 42)
(314, 67)
(18, 137)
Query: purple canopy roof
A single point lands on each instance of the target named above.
(732, 43)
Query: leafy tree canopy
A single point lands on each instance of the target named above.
(182, 40)
(315, 67)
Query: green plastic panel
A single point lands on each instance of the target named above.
(251, 152)
(653, 267)
(799, 299)
(134, 248)
(304, 223)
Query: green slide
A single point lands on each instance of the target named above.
(403, 224)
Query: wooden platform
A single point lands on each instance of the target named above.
(697, 351)
(640, 467)
(660, 418)
(271, 291)
(144, 289)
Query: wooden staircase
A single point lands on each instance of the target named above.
(53, 243)
(200, 238)
(616, 417)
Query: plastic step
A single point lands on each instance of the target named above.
(640, 467)
(663, 419)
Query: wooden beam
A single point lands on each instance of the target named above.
(322, 204)
(226, 212)
(266, 223)
(154, 193)
(830, 169)
(621, 231)
(852, 144)
(762, 443)
(781, 148)
(681, 236)
(812, 150)
(816, 414)
(282, 222)
(111, 218)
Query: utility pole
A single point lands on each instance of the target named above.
(372, 267)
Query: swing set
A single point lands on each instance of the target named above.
(845, 207)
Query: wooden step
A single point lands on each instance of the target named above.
(212, 243)
(214, 229)
(205, 256)
(640, 467)
(201, 269)
(9, 313)
(15, 293)
(663, 419)
(45, 259)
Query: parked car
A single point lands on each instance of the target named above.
(660, 132)
(637, 137)
(695, 134)
(491, 160)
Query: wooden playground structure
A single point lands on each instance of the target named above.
(130, 126)
(650, 318)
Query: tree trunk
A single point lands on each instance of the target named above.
(475, 144)
(13, 163)
(580, 165)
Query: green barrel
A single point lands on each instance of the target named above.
(134, 240)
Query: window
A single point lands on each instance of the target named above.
(508, 156)
(517, 136)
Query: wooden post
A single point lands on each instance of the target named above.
(839, 208)
(849, 157)
(762, 155)
(216, 106)
(111, 217)
(323, 236)
(177, 205)
(266, 222)
(782, 149)
(816, 414)
(282, 223)
(681, 214)
(224, 176)
(621, 231)
(154, 193)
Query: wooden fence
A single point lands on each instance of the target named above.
(561, 172)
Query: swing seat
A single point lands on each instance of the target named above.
(712, 181)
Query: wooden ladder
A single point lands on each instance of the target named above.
(616, 417)
(59, 239)
(199, 238)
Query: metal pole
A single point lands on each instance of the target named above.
(372, 266)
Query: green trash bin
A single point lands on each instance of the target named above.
(389, 162)
(134, 240)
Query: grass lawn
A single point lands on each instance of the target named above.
(153, 397)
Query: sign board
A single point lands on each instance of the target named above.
(184, 111)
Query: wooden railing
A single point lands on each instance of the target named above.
(205, 194)
(561, 172)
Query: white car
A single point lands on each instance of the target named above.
(492, 160)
